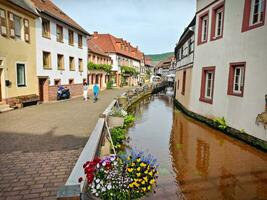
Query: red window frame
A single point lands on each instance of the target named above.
(231, 77)
(184, 82)
(202, 97)
(247, 14)
(215, 9)
(200, 20)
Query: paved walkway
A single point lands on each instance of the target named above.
(39, 145)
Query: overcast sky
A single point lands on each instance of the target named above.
(153, 25)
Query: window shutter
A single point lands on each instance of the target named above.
(3, 27)
(26, 30)
(11, 25)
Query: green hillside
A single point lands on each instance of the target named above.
(158, 57)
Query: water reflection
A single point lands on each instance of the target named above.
(210, 165)
(196, 162)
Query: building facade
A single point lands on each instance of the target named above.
(99, 58)
(61, 52)
(123, 54)
(18, 81)
(184, 54)
(229, 76)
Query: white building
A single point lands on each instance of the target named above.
(229, 78)
(61, 51)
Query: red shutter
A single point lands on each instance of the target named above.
(11, 25)
(3, 24)
(26, 30)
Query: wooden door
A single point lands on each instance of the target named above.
(41, 88)
(0, 85)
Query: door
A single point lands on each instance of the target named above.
(42, 82)
(0, 85)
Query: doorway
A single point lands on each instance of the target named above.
(42, 89)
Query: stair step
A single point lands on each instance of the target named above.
(3, 106)
(6, 109)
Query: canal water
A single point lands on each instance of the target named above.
(196, 162)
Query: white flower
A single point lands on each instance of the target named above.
(103, 189)
(97, 165)
(104, 163)
(96, 194)
(94, 191)
(112, 158)
(109, 186)
(97, 180)
(101, 182)
(115, 163)
(98, 186)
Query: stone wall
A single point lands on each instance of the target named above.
(75, 90)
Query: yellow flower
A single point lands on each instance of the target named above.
(152, 181)
(130, 170)
(145, 178)
(133, 164)
(149, 187)
(138, 160)
(146, 172)
(142, 164)
(129, 158)
(150, 173)
(138, 169)
(136, 184)
(131, 185)
(143, 182)
(138, 174)
(144, 189)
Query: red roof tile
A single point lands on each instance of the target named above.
(93, 47)
(49, 8)
(111, 44)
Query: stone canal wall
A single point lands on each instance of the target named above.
(258, 143)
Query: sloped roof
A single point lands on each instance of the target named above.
(49, 8)
(93, 47)
(111, 44)
(26, 5)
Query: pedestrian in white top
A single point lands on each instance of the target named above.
(85, 91)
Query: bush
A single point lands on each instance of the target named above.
(118, 135)
(220, 122)
(129, 120)
(109, 84)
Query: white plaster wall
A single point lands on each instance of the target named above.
(115, 65)
(235, 46)
(54, 47)
(203, 3)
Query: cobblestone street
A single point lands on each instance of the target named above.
(39, 145)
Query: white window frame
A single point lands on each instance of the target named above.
(211, 84)
(204, 28)
(25, 73)
(217, 25)
(239, 80)
(260, 10)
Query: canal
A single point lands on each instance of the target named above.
(196, 161)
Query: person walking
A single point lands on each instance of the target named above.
(85, 91)
(96, 91)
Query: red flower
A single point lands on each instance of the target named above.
(80, 179)
(90, 178)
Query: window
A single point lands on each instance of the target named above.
(184, 82)
(45, 28)
(207, 84)
(3, 23)
(21, 80)
(46, 60)
(60, 62)
(203, 28)
(254, 14)
(80, 41)
(71, 37)
(57, 82)
(236, 79)
(217, 21)
(71, 64)
(59, 33)
(26, 30)
(71, 81)
(191, 44)
(17, 23)
(80, 64)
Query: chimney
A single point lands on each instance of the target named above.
(95, 33)
(265, 102)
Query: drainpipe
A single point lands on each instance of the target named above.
(265, 102)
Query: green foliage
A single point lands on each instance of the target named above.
(128, 70)
(220, 121)
(160, 57)
(118, 135)
(128, 120)
(105, 67)
(109, 84)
